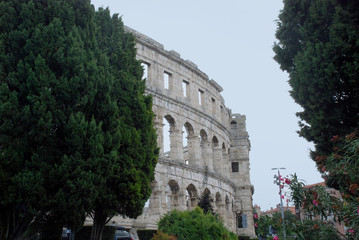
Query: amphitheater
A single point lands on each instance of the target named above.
(216, 159)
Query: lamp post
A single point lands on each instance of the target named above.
(278, 181)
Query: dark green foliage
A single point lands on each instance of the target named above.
(163, 236)
(244, 238)
(85, 232)
(131, 149)
(145, 234)
(194, 225)
(76, 131)
(205, 202)
(318, 46)
(296, 229)
(45, 88)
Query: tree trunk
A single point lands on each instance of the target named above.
(13, 224)
(51, 231)
(99, 222)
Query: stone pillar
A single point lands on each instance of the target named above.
(217, 160)
(156, 202)
(182, 206)
(207, 158)
(225, 163)
(159, 130)
(176, 145)
(193, 150)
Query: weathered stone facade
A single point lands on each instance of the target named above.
(216, 158)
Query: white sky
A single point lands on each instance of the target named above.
(231, 41)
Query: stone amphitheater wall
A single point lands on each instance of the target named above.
(216, 158)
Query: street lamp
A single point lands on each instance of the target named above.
(278, 181)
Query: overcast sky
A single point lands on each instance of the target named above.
(231, 41)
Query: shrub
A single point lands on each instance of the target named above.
(163, 236)
(145, 234)
(244, 238)
(194, 225)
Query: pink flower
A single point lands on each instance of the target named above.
(287, 181)
(287, 200)
(256, 225)
(351, 231)
(255, 216)
(276, 238)
(315, 202)
(282, 196)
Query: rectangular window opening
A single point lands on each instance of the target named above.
(242, 221)
(185, 88)
(200, 96)
(213, 105)
(166, 79)
(145, 67)
(235, 167)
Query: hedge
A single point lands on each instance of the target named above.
(145, 234)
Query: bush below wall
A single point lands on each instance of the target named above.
(145, 234)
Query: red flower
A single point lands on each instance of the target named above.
(287, 181)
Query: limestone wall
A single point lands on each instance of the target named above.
(216, 158)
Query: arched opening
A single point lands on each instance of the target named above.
(169, 124)
(217, 156)
(215, 141)
(191, 197)
(172, 190)
(206, 201)
(203, 136)
(188, 142)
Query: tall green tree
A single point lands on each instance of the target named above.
(48, 78)
(132, 149)
(318, 46)
(76, 132)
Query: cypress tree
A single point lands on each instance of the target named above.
(69, 143)
(132, 148)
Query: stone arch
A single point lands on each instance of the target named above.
(215, 141)
(217, 155)
(172, 192)
(192, 196)
(203, 136)
(175, 139)
(206, 151)
(189, 129)
(225, 159)
(168, 124)
(206, 201)
(192, 153)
